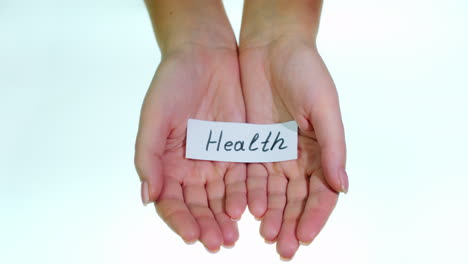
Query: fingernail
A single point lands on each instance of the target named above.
(344, 181)
(285, 259)
(228, 246)
(312, 238)
(145, 193)
(189, 242)
(213, 251)
(269, 241)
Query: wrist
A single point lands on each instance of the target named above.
(194, 37)
(265, 21)
(182, 24)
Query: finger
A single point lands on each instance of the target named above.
(257, 189)
(215, 192)
(236, 193)
(320, 204)
(196, 200)
(151, 139)
(173, 210)
(271, 222)
(287, 242)
(326, 120)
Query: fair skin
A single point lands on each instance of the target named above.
(197, 78)
(283, 78)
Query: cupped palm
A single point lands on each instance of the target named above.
(197, 199)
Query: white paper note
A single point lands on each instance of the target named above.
(241, 142)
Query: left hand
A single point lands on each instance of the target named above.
(282, 80)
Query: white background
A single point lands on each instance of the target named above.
(72, 78)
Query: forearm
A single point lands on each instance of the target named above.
(265, 20)
(190, 22)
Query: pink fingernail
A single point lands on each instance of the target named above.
(214, 250)
(344, 181)
(145, 193)
(189, 242)
(228, 246)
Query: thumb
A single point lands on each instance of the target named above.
(150, 144)
(325, 117)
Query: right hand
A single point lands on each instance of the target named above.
(197, 199)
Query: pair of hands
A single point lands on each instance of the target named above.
(274, 75)
(279, 81)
